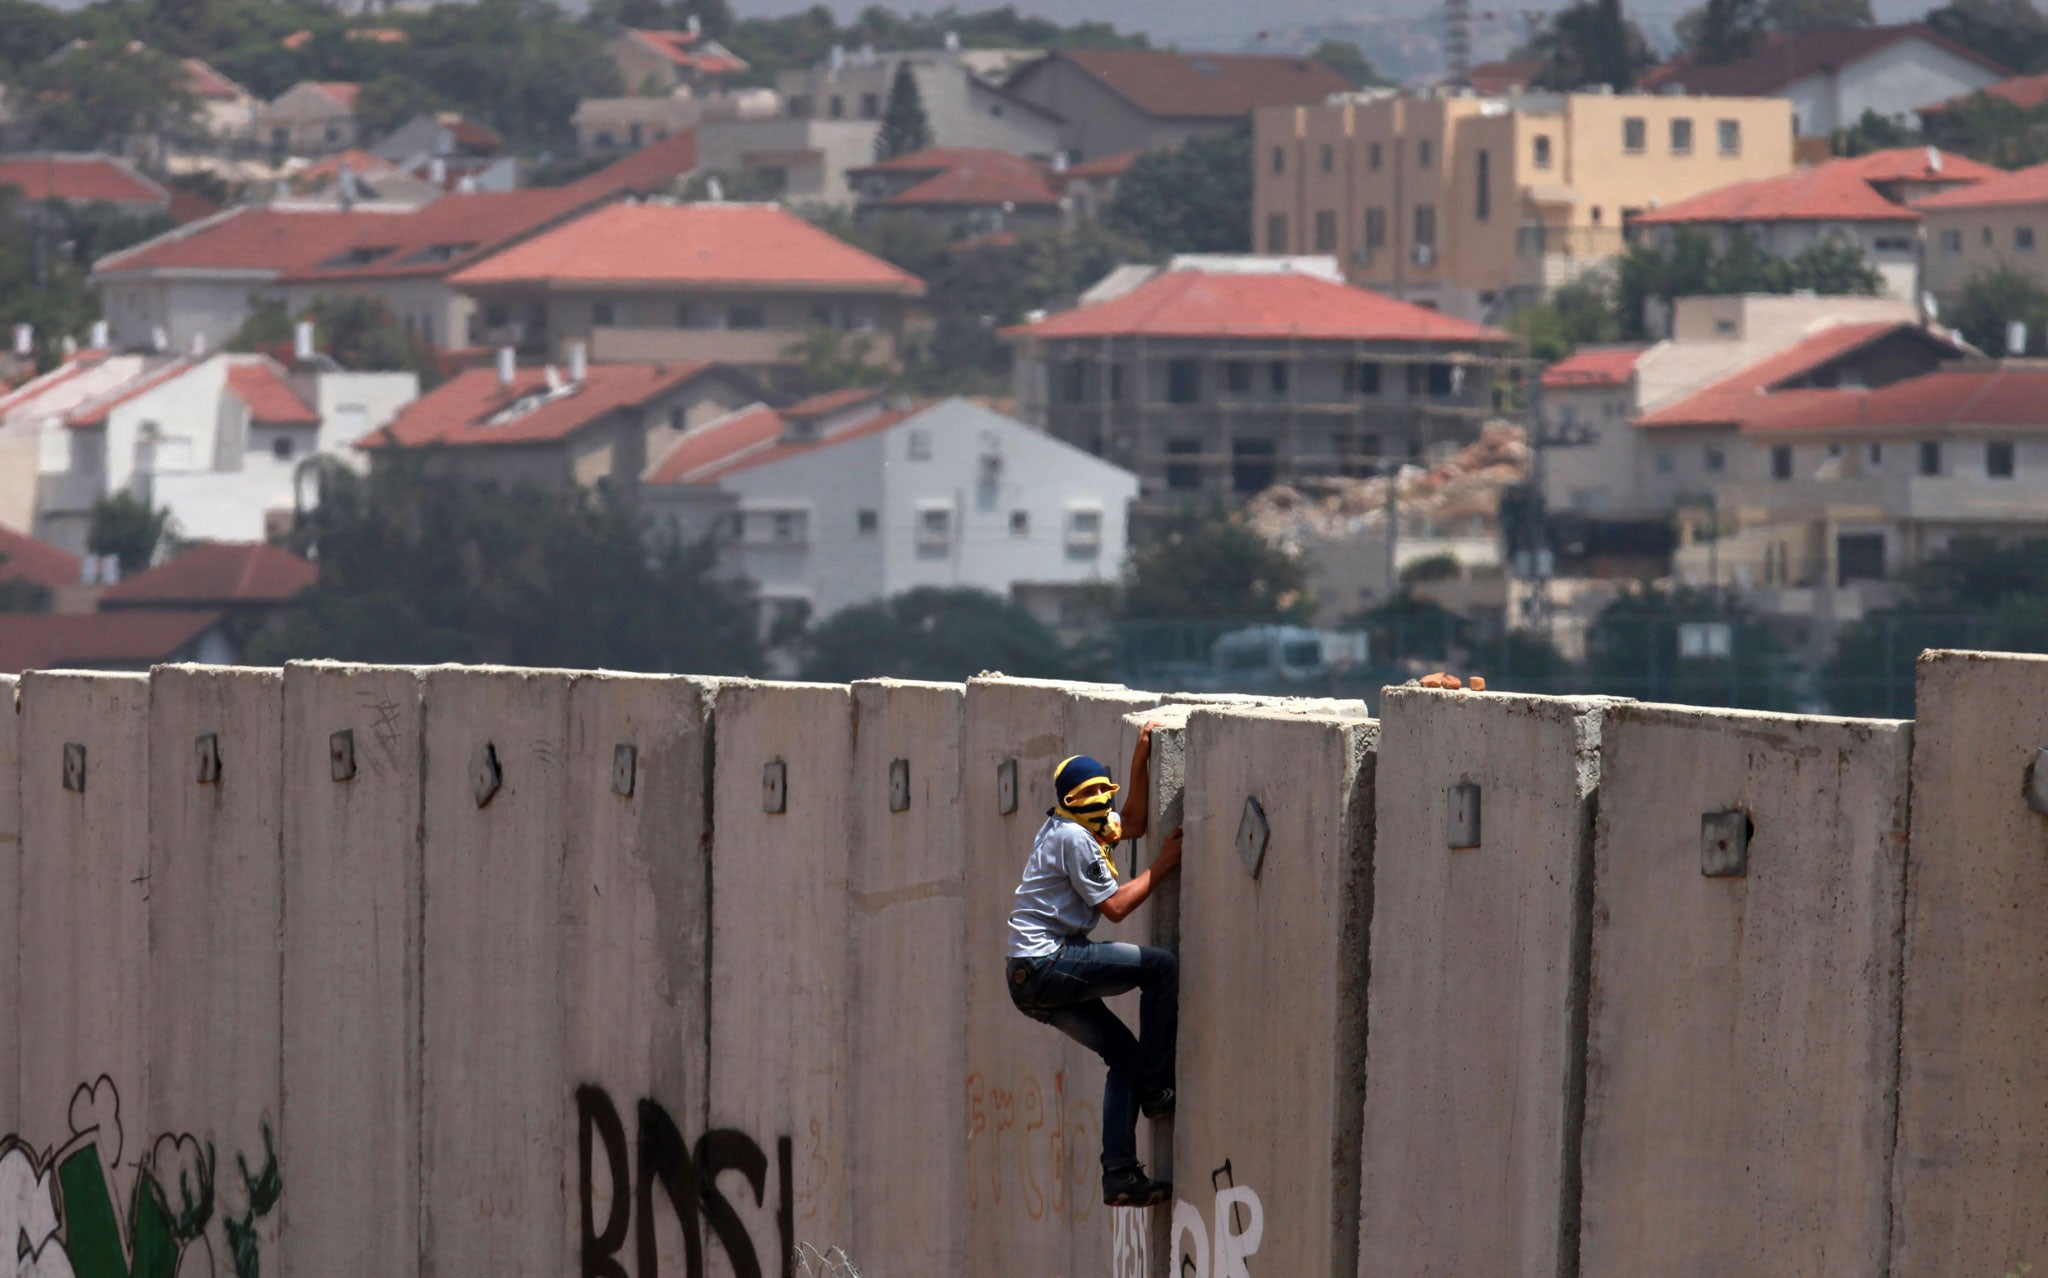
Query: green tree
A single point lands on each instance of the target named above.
(30, 32)
(805, 38)
(662, 15)
(102, 94)
(1991, 129)
(1212, 566)
(1349, 61)
(414, 569)
(129, 530)
(362, 335)
(1836, 268)
(19, 594)
(1990, 301)
(1590, 42)
(1720, 31)
(1197, 199)
(826, 359)
(904, 127)
(1795, 16)
(932, 632)
(1690, 267)
(390, 100)
(1636, 648)
(1871, 132)
(2011, 32)
(1577, 314)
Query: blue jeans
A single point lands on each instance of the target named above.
(1065, 990)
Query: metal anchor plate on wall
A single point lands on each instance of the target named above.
(485, 776)
(1724, 844)
(1006, 786)
(1461, 815)
(341, 755)
(775, 786)
(899, 785)
(1254, 832)
(625, 769)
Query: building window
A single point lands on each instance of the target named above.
(1279, 159)
(1329, 157)
(934, 526)
(799, 106)
(1276, 378)
(1987, 236)
(1874, 454)
(1251, 465)
(1443, 380)
(919, 444)
(1892, 243)
(1326, 231)
(281, 448)
(1952, 241)
(867, 522)
(1020, 523)
(1365, 377)
(1859, 557)
(1540, 150)
(1237, 377)
(1729, 133)
(1681, 135)
(1084, 530)
(685, 316)
(1716, 460)
(1930, 458)
(1183, 381)
(1072, 382)
(2023, 238)
(1482, 183)
(1425, 151)
(836, 108)
(1998, 459)
(1372, 157)
(1781, 462)
(870, 106)
(1375, 228)
(788, 527)
(1635, 134)
(1183, 476)
(1664, 461)
(1425, 226)
(600, 314)
(745, 315)
(1276, 232)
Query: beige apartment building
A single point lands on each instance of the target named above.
(1977, 229)
(1474, 205)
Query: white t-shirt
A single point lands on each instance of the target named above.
(1065, 883)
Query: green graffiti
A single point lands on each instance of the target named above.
(92, 1237)
(264, 1190)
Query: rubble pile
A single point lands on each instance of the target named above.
(1462, 488)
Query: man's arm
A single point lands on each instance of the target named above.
(1138, 790)
(1133, 893)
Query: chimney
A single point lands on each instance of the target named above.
(836, 59)
(553, 377)
(1933, 160)
(198, 346)
(24, 340)
(99, 339)
(345, 183)
(158, 339)
(68, 345)
(695, 25)
(579, 363)
(952, 42)
(302, 341)
(2016, 337)
(508, 365)
(437, 171)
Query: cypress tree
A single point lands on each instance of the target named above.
(904, 126)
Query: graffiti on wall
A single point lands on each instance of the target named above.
(1240, 1226)
(626, 1196)
(1130, 1233)
(1030, 1147)
(78, 1211)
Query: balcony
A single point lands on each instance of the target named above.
(1552, 256)
(748, 347)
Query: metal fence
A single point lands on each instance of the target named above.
(1867, 668)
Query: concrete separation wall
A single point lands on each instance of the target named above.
(1474, 1007)
(1750, 874)
(453, 971)
(1273, 917)
(1971, 1182)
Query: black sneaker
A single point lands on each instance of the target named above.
(1157, 1104)
(1131, 1187)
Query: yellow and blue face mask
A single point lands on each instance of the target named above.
(1087, 797)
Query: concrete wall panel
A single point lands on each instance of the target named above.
(1033, 1096)
(495, 1136)
(907, 1032)
(1272, 1044)
(1970, 1182)
(10, 907)
(84, 910)
(351, 970)
(215, 890)
(635, 902)
(1476, 1037)
(1742, 1030)
(779, 957)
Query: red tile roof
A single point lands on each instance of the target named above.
(657, 245)
(1918, 164)
(829, 402)
(1980, 394)
(1784, 60)
(1105, 166)
(1593, 366)
(680, 47)
(204, 80)
(1830, 192)
(269, 397)
(2021, 186)
(81, 179)
(752, 429)
(2023, 91)
(461, 409)
(37, 386)
(968, 176)
(342, 91)
(651, 168)
(23, 558)
(217, 574)
(861, 429)
(250, 237)
(187, 207)
(130, 640)
(1279, 305)
(1198, 85)
(1742, 395)
(1493, 78)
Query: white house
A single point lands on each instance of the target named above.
(850, 497)
(1833, 76)
(215, 439)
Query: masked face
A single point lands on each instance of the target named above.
(1093, 805)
